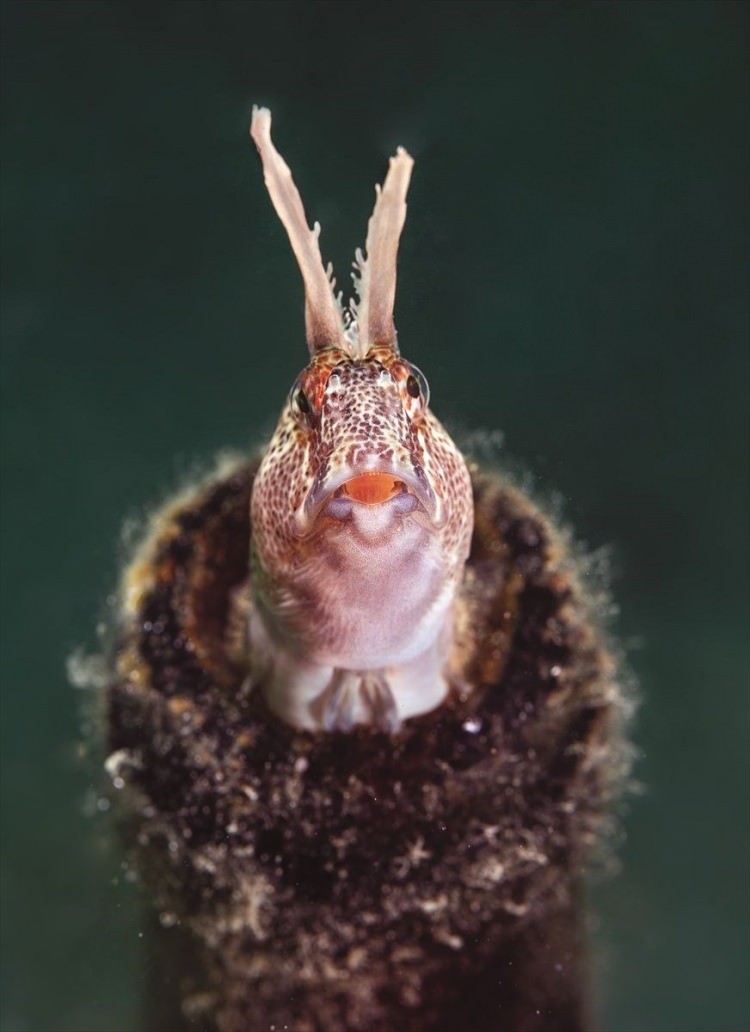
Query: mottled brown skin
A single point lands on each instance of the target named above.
(426, 880)
(366, 594)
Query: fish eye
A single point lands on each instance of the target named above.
(417, 387)
(300, 405)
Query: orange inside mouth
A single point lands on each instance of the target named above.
(372, 488)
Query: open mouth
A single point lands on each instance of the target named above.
(401, 492)
(372, 488)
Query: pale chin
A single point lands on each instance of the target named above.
(377, 524)
(374, 524)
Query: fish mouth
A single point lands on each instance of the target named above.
(401, 490)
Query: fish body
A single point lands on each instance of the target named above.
(362, 509)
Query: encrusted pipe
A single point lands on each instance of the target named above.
(343, 882)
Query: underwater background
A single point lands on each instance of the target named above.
(573, 281)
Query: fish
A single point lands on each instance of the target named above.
(361, 509)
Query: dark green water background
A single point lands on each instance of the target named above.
(574, 273)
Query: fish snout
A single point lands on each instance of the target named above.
(399, 488)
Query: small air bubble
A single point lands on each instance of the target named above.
(102, 804)
(472, 726)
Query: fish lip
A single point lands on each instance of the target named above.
(320, 494)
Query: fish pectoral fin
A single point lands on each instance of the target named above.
(379, 699)
(335, 707)
(357, 697)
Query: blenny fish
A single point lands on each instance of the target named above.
(364, 720)
(362, 508)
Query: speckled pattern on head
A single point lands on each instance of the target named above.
(354, 593)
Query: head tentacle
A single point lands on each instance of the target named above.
(324, 321)
(375, 272)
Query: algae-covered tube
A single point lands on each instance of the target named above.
(365, 724)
